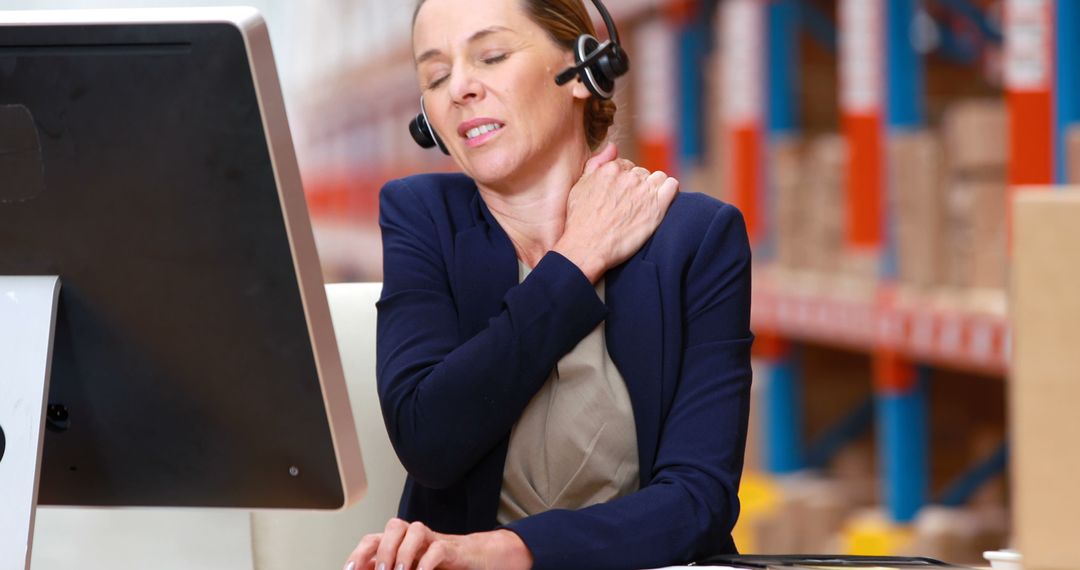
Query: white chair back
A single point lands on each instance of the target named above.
(296, 540)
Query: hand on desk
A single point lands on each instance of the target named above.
(405, 546)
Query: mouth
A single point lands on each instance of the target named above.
(478, 131)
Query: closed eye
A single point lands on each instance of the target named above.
(437, 82)
(495, 59)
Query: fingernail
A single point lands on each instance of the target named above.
(400, 566)
(350, 566)
(382, 566)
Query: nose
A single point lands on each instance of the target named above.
(464, 86)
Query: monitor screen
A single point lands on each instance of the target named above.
(145, 159)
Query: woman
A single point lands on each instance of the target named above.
(563, 339)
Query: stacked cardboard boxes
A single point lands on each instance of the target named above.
(785, 175)
(823, 203)
(975, 247)
(917, 203)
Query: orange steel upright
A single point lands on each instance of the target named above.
(743, 106)
(1029, 82)
(862, 86)
(655, 84)
(1029, 70)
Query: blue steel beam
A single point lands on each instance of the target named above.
(1067, 79)
(783, 402)
(782, 105)
(693, 44)
(782, 419)
(818, 26)
(960, 490)
(904, 453)
(905, 95)
(846, 430)
(974, 14)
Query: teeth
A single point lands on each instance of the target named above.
(483, 129)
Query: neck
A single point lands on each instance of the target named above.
(531, 206)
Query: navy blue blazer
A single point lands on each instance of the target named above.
(463, 347)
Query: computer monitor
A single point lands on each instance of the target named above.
(146, 160)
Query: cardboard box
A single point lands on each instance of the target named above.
(789, 191)
(957, 535)
(976, 136)
(1072, 154)
(975, 237)
(824, 202)
(1044, 389)
(917, 204)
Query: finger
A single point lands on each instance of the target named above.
(657, 178)
(607, 154)
(666, 193)
(625, 165)
(391, 540)
(641, 172)
(413, 545)
(363, 554)
(437, 554)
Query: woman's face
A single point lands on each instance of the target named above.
(487, 74)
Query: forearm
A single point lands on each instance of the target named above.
(660, 525)
(445, 408)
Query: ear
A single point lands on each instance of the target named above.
(579, 90)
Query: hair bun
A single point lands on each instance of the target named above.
(599, 116)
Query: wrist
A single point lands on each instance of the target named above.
(586, 260)
(509, 551)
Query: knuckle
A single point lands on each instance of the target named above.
(417, 527)
(369, 539)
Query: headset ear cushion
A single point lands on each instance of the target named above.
(618, 63)
(418, 128)
(594, 76)
(424, 135)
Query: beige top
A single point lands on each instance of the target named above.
(575, 444)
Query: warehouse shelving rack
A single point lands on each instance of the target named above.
(905, 336)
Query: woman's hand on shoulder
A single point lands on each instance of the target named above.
(612, 211)
(407, 546)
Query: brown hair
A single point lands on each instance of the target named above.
(564, 21)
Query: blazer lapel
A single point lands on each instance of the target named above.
(485, 268)
(635, 342)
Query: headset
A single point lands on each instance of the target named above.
(597, 65)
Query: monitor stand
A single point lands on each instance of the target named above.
(27, 321)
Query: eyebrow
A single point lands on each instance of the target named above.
(475, 37)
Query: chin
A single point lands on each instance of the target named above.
(490, 168)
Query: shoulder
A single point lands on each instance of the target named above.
(432, 188)
(439, 196)
(695, 220)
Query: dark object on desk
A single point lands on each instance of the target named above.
(822, 561)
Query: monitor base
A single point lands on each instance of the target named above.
(27, 322)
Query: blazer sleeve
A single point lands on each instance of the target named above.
(446, 401)
(690, 505)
